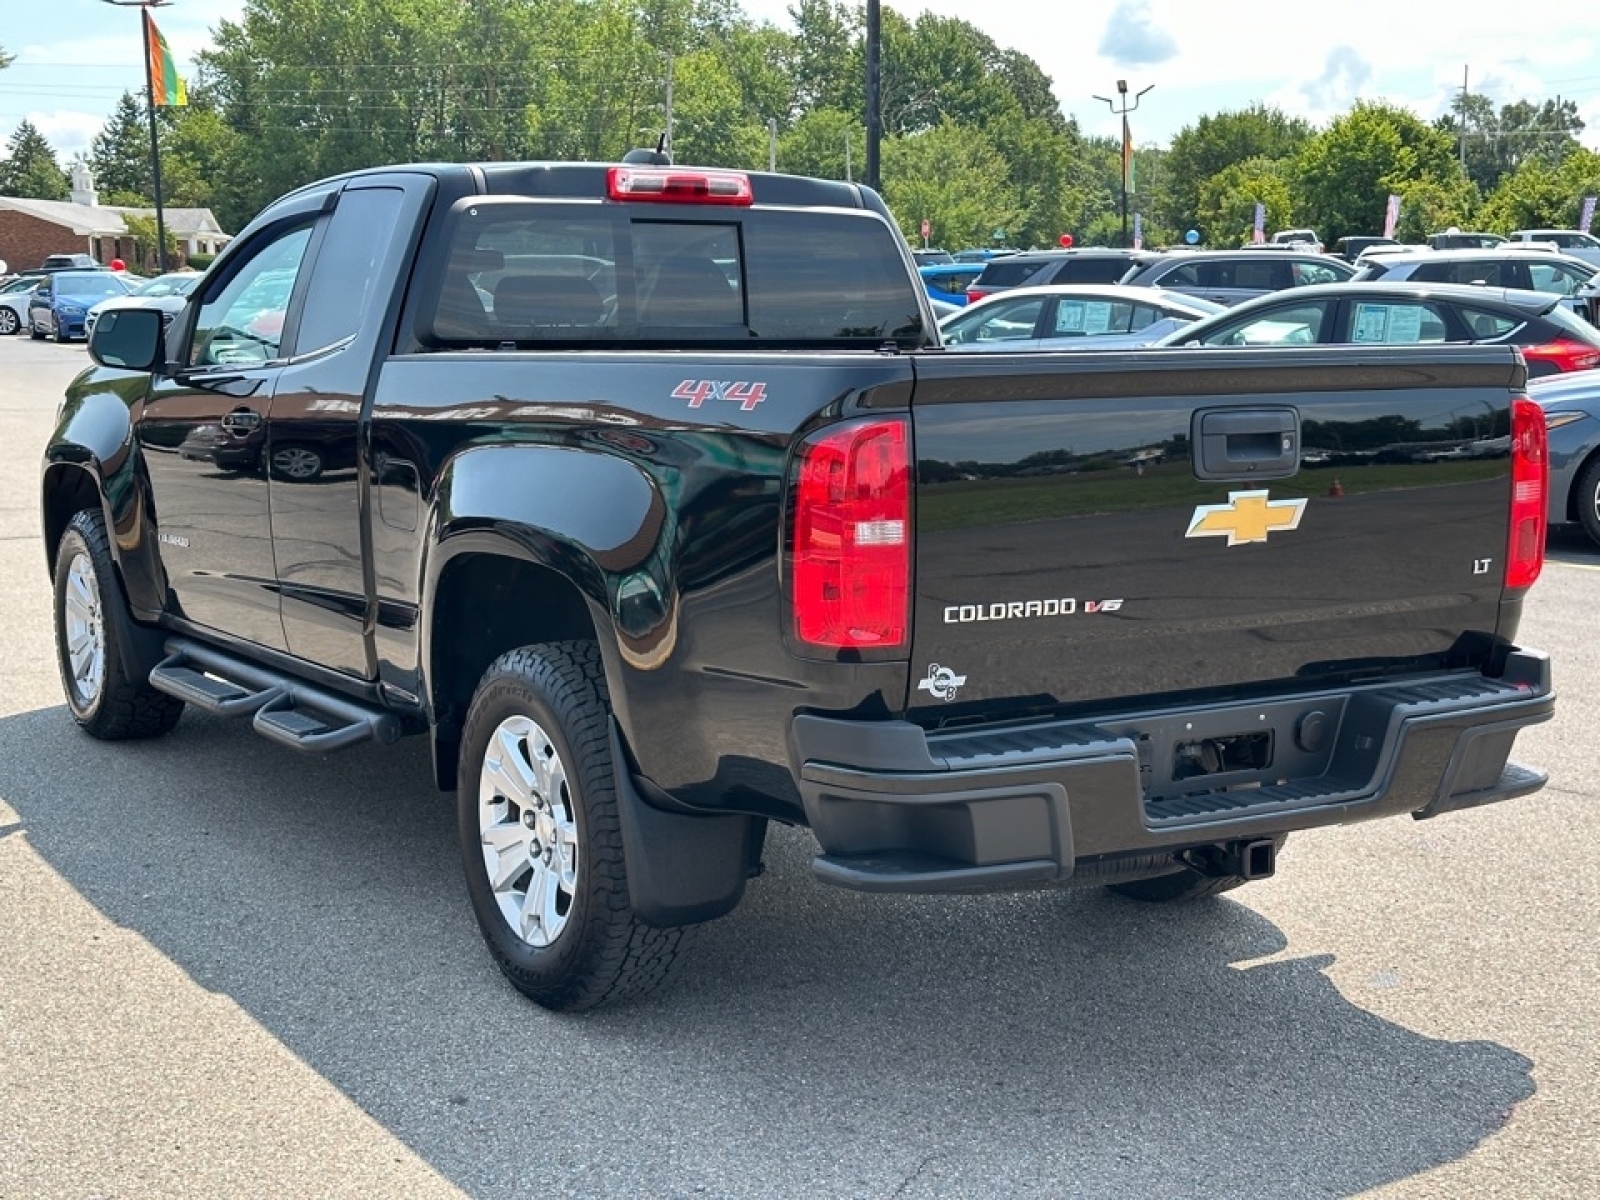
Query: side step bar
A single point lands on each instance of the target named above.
(287, 710)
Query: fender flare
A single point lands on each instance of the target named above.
(596, 520)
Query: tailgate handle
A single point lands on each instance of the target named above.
(1246, 443)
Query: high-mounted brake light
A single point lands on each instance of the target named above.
(850, 565)
(975, 294)
(1530, 487)
(674, 185)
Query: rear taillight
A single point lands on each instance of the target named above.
(677, 186)
(1564, 355)
(1530, 486)
(850, 560)
(975, 294)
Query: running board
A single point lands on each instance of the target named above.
(281, 707)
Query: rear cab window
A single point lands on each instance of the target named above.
(519, 272)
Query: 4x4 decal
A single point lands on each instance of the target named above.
(698, 391)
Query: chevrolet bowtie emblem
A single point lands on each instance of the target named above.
(1246, 517)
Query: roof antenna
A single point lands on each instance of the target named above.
(644, 156)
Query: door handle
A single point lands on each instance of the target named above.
(1246, 443)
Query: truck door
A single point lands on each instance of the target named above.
(203, 431)
(313, 430)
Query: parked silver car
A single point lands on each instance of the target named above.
(1526, 270)
(1072, 316)
(1231, 276)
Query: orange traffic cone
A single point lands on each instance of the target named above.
(1337, 489)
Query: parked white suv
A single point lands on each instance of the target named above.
(1555, 272)
(1568, 241)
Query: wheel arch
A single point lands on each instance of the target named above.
(1573, 499)
(491, 596)
(529, 544)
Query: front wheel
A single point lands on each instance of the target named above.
(9, 322)
(33, 330)
(103, 698)
(1587, 496)
(541, 841)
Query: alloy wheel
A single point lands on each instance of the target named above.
(527, 824)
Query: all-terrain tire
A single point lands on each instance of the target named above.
(102, 697)
(536, 755)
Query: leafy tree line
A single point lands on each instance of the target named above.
(976, 141)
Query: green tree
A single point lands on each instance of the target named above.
(1228, 200)
(1346, 173)
(1495, 143)
(1214, 143)
(1538, 195)
(29, 169)
(710, 126)
(954, 178)
(1430, 205)
(119, 156)
(815, 145)
(143, 232)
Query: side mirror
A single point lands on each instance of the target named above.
(128, 339)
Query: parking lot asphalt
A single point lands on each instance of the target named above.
(230, 970)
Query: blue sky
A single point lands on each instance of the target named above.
(74, 58)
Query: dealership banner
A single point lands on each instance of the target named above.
(1391, 217)
(1588, 214)
(1260, 233)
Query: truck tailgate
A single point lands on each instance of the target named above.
(1069, 551)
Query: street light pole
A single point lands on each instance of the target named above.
(155, 142)
(874, 83)
(1121, 107)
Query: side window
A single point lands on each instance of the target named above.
(1003, 322)
(1090, 318)
(1396, 323)
(1142, 315)
(1306, 273)
(1487, 326)
(1555, 277)
(1261, 275)
(1296, 325)
(1437, 272)
(243, 323)
(338, 303)
(1184, 275)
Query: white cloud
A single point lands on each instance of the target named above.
(1133, 38)
(67, 132)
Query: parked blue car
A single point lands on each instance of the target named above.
(949, 281)
(1571, 403)
(59, 304)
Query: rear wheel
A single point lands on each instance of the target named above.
(9, 322)
(1587, 496)
(34, 331)
(103, 698)
(541, 841)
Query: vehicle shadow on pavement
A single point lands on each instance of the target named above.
(817, 1042)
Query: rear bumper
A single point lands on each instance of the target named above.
(896, 808)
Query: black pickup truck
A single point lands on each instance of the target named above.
(648, 494)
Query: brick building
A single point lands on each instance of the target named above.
(32, 229)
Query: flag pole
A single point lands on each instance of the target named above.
(155, 141)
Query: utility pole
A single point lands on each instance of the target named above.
(666, 136)
(1122, 108)
(155, 141)
(1462, 122)
(874, 82)
(848, 177)
(772, 143)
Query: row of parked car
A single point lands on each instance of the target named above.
(61, 303)
(1540, 301)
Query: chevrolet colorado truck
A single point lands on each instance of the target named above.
(648, 495)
